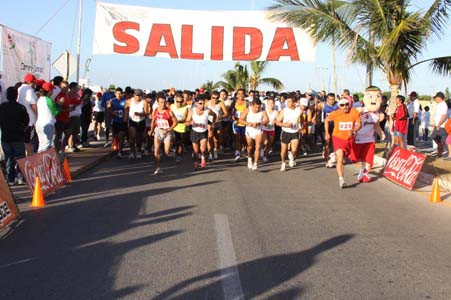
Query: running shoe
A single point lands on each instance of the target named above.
(237, 155)
(341, 182)
(291, 162)
(283, 167)
(157, 171)
(210, 157)
(290, 156)
(20, 181)
(305, 153)
(254, 167)
(249, 163)
(98, 137)
(265, 159)
(132, 156)
(215, 154)
(360, 175)
(203, 164)
(138, 155)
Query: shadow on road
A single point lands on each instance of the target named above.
(257, 277)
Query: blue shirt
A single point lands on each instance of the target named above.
(118, 107)
(107, 96)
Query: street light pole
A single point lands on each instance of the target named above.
(79, 40)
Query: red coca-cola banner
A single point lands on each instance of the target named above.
(403, 167)
(8, 208)
(47, 166)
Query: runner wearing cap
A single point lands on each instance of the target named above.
(198, 119)
(136, 112)
(346, 124)
(163, 122)
(116, 108)
(214, 130)
(269, 130)
(47, 110)
(27, 98)
(254, 118)
(180, 111)
(288, 119)
(305, 122)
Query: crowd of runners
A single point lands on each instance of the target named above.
(198, 124)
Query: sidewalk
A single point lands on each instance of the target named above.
(79, 162)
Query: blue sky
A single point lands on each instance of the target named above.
(159, 73)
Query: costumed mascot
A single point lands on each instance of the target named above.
(365, 144)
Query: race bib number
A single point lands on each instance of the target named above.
(163, 124)
(179, 116)
(120, 113)
(294, 125)
(270, 126)
(237, 114)
(201, 126)
(345, 126)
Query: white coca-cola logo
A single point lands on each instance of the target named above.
(49, 172)
(404, 170)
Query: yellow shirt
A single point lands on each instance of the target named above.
(239, 109)
(180, 114)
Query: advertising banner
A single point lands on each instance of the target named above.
(20, 54)
(403, 167)
(198, 35)
(8, 208)
(47, 166)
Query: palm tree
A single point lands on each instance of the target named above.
(386, 34)
(258, 67)
(211, 86)
(237, 78)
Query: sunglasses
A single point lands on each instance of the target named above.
(347, 104)
(179, 101)
(200, 103)
(215, 98)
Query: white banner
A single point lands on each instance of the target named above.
(20, 54)
(198, 35)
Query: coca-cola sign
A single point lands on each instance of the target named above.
(47, 166)
(403, 167)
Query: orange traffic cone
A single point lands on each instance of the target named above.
(435, 195)
(67, 170)
(38, 197)
(115, 146)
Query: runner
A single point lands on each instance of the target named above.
(254, 118)
(62, 125)
(163, 122)
(305, 125)
(116, 109)
(288, 120)
(327, 108)
(215, 129)
(136, 112)
(269, 130)
(239, 128)
(106, 98)
(226, 121)
(346, 122)
(98, 115)
(180, 110)
(198, 119)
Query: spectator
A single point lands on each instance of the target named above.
(45, 124)
(13, 122)
(414, 114)
(62, 124)
(86, 116)
(74, 120)
(400, 118)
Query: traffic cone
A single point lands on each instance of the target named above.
(435, 195)
(38, 197)
(67, 170)
(115, 147)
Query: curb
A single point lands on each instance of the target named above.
(423, 178)
(91, 165)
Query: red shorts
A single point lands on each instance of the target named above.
(345, 145)
(269, 132)
(363, 153)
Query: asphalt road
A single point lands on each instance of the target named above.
(119, 232)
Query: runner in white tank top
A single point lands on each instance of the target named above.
(138, 111)
(254, 118)
(214, 128)
(288, 119)
(269, 130)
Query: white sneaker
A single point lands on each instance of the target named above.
(341, 182)
(265, 159)
(132, 156)
(305, 153)
(254, 167)
(290, 155)
(98, 137)
(291, 163)
(237, 155)
(210, 157)
(215, 154)
(283, 167)
(157, 171)
(138, 155)
(360, 176)
(249, 163)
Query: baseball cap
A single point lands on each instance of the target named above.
(440, 95)
(39, 83)
(201, 90)
(304, 101)
(413, 94)
(309, 92)
(138, 92)
(29, 78)
(343, 101)
(112, 87)
(47, 86)
(99, 94)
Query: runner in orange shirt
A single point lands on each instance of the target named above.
(346, 124)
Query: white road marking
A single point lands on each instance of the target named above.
(231, 285)
(17, 262)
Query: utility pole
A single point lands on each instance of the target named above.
(79, 40)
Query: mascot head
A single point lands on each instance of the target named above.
(372, 99)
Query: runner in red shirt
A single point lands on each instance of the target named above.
(62, 124)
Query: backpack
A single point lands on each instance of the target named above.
(448, 126)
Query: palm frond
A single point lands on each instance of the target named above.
(274, 82)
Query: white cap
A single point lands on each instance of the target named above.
(343, 101)
(303, 101)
